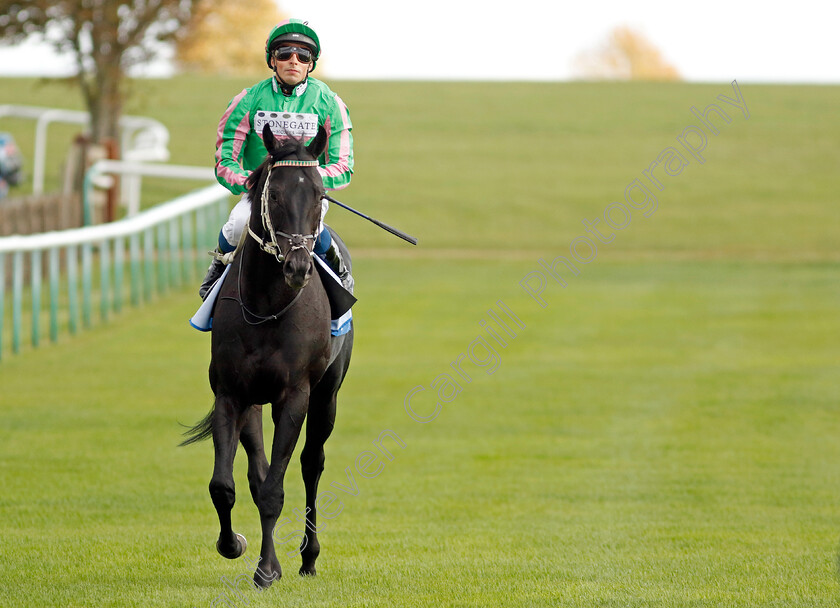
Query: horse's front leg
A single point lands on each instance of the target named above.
(251, 438)
(288, 413)
(227, 424)
(319, 425)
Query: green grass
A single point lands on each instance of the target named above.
(662, 433)
(481, 164)
(677, 449)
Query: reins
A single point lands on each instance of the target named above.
(296, 241)
(260, 318)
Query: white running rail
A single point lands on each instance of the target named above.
(163, 246)
(141, 138)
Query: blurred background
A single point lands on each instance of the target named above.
(497, 41)
(661, 432)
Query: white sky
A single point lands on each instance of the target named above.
(712, 40)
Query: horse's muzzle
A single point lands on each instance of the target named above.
(297, 268)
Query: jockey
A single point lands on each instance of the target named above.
(295, 105)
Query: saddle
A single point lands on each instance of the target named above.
(341, 301)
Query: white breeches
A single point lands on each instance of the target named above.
(241, 212)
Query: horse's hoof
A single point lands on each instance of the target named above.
(307, 571)
(241, 546)
(266, 575)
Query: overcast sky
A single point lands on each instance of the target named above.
(713, 40)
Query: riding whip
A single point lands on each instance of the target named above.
(382, 225)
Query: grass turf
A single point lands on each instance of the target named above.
(661, 433)
(463, 165)
(677, 449)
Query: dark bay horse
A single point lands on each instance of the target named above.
(271, 343)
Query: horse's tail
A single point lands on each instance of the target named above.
(200, 431)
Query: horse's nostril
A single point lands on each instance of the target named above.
(297, 270)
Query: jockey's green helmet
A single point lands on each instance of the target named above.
(293, 30)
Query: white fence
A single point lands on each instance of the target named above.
(142, 139)
(137, 170)
(158, 249)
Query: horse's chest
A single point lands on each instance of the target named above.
(272, 366)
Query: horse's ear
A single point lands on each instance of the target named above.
(268, 139)
(317, 145)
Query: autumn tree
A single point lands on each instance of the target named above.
(626, 55)
(227, 37)
(106, 38)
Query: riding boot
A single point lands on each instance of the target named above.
(217, 267)
(332, 256)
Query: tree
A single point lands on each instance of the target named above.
(106, 37)
(626, 55)
(227, 37)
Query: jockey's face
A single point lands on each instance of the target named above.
(292, 71)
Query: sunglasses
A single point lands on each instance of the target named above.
(284, 53)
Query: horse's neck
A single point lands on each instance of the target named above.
(261, 277)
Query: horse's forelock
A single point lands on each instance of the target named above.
(287, 148)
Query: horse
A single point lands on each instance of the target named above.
(271, 343)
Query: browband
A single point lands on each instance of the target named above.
(295, 163)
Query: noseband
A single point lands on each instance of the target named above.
(296, 241)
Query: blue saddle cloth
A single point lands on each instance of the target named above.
(340, 302)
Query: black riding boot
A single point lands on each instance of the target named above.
(332, 256)
(217, 267)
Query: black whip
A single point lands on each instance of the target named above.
(382, 225)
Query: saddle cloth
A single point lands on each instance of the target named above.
(340, 301)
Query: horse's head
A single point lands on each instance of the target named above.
(289, 190)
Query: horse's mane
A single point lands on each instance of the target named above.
(287, 148)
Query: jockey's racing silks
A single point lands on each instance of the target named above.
(239, 145)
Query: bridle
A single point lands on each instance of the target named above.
(296, 241)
